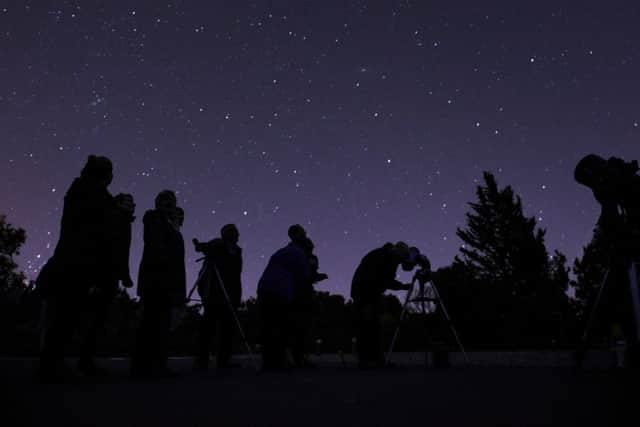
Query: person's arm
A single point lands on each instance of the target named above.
(123, 251)
(398, 286)
(388, 282)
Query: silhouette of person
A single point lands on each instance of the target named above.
(225, 255)
(287, 271)
(302, 308)
(375, 274)
(615, 184)
(80, 262)
(102, 293)
(161, 286)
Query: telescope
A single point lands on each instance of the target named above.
(616, 186)
(422, 294)
(612, 180)
(416, 259)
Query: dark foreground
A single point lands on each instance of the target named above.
(325, 396)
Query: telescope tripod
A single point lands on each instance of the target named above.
(632, 273)
(422, 297)
(206, 273)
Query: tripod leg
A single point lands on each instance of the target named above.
(453, 329)
(585, 335)
(235, 316)
(635, 297)
(592, 316)
(203, 271)
(395, 334)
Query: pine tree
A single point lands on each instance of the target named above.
(589, 272)
(517, 289)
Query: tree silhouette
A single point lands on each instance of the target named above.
(11, 239)
(589, 272)
(516, 291)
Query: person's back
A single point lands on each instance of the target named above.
(287, 269)
(376, 270)
(84, 238)
(228, 261)
(286, 273)
(162, 271)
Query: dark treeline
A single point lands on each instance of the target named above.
(504, 291)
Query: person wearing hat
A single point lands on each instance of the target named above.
(375, 274)
(225, 255)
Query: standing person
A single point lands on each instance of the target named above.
(225, 255)
(302, 308)
(375, 275)
(161, 286)
(103, 292)
(79, 263)
(287, 271)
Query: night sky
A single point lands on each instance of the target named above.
(365, 122)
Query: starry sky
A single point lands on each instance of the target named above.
(364, 121)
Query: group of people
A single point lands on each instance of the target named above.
(91, 259)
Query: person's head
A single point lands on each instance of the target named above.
(415, 258)
(166, 202)
(591, 171)
(98, 169)
(125, 203)
(400, 252)
(297, 234)
(230, 234)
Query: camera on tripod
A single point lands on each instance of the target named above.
(612, 180)
(616, 186)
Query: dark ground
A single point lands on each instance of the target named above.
(325, 396)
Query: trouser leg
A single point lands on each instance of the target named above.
(299, 327)
(153, 335)
(162, 323)
(274, 335)
(97, 317)
(225, 336)
(57, 331)
(368, 338)
(205, 336)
